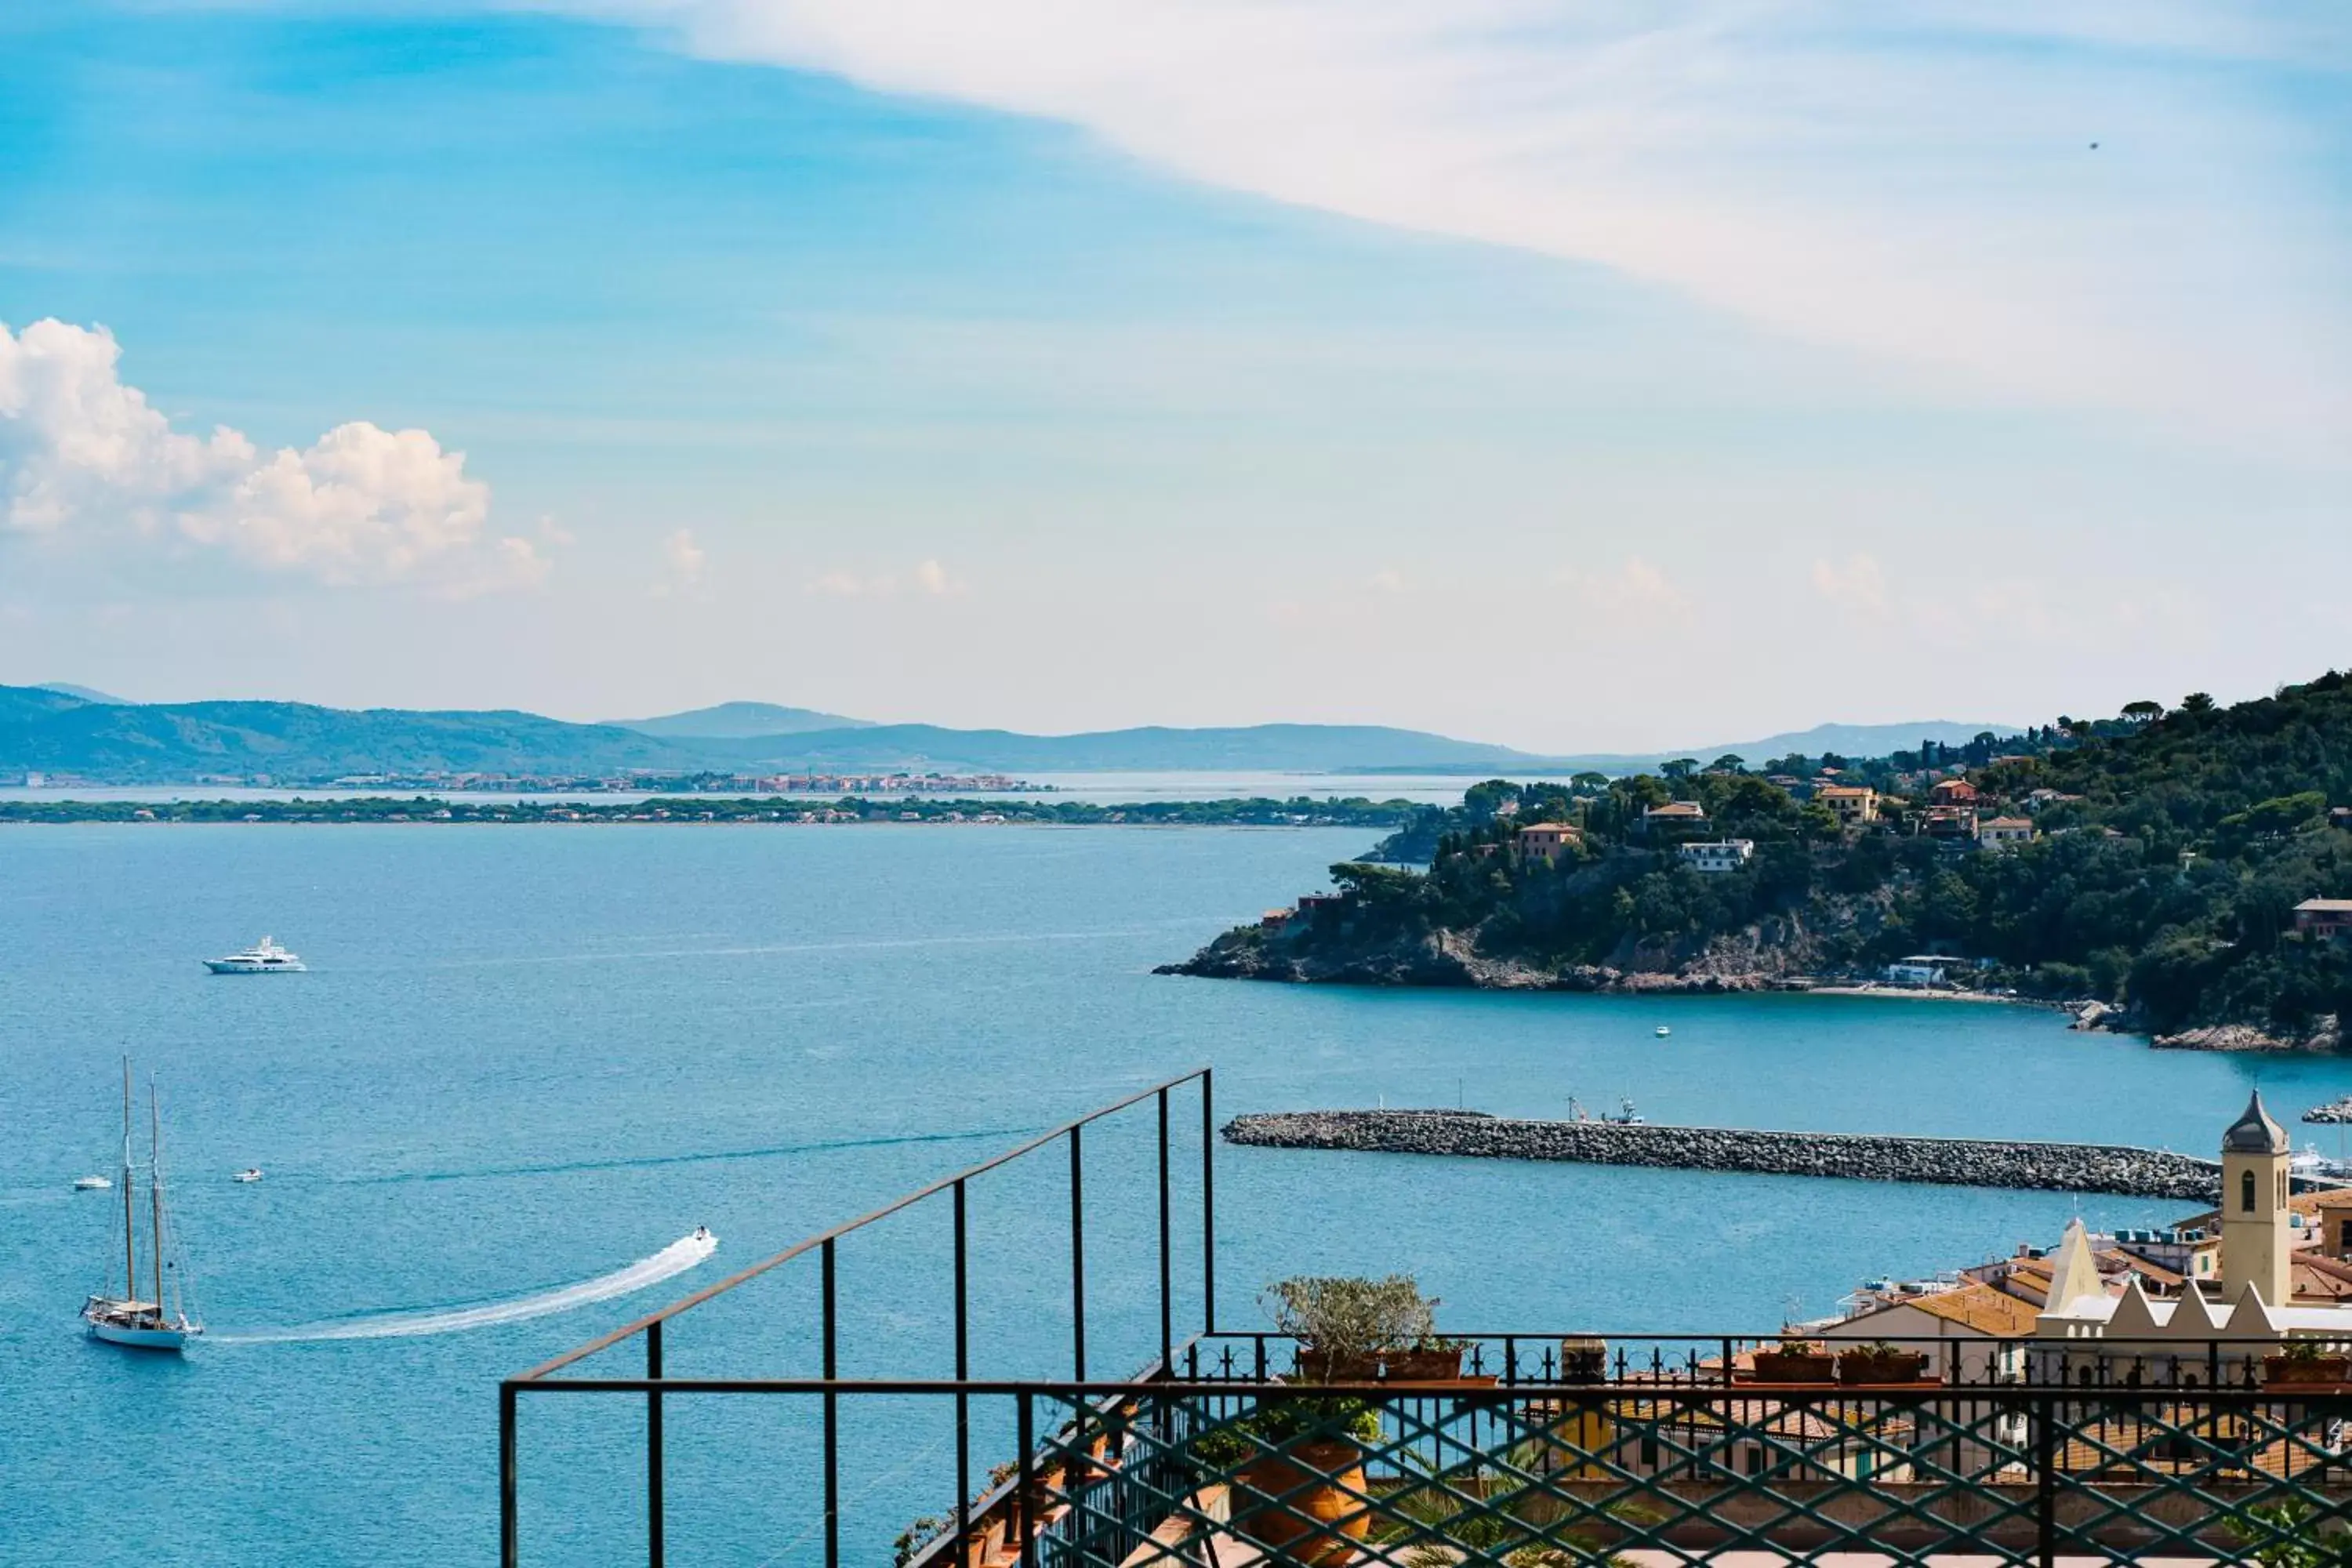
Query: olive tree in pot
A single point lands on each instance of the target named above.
(1347, 1326)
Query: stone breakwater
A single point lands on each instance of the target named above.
(1868, 1157)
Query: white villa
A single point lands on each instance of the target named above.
(1719, 855)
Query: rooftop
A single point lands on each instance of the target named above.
(2255, 1132)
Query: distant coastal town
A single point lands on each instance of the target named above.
(637, 782)
(899, 807)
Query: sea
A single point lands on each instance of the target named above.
(527, 1062)
(1101, 789)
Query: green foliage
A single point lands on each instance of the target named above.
(1278, 1422)
(2286, 1535)
(1336, 1317)
(2173, 850)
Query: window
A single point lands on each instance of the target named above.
(2246, 1192)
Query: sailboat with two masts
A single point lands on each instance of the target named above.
(161, 1322)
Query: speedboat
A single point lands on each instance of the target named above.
(91, 1184)
(1662, 1031)
(250, 1173)
(264, 957)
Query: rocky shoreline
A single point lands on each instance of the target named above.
(1946, 1162)
(1446, 959)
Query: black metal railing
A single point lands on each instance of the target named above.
(1525, 1449)
(1124, 1475)
(1337, 1475)
(655, 1386)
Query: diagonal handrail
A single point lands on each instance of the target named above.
(801, 1248)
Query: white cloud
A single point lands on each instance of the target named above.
(1635, 593)
(928, 578)
(1915, 184)
(684, 560)
(84, 457)
(1858, 587)
(932, 578)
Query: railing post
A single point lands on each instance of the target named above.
(1027, 1438)
(963, 1374)
(2045, 1485)
(509, 1550)
(1208, 1204)
(831, 1424)
(1166, 1311)
(654, 1544)
(1079, 1254)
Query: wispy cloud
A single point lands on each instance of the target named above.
(1858, 587)
(927, 579)
(682, 561)
(1629, 594)
(1915, 183)
(85, 458)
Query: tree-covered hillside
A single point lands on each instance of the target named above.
(2168, 851)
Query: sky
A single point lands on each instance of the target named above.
(1574, 376)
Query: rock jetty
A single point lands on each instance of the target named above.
(1869, 1157)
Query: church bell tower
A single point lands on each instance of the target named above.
(2254, 1245)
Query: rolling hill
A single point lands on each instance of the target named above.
(738, 721)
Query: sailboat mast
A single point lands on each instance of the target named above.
(155, 1192)
(130, 1257)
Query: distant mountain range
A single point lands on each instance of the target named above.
(56, 729)
(88, 694)
(738, 721)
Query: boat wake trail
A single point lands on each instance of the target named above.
(676, 1258)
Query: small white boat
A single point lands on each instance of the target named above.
(264, 957)
(92, 1185)
(1662, 1031)
(160, 1323)
(250, 1173)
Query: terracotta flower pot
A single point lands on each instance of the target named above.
(1795, 1366)
(1881, 1366)
(986, 1540)
(1323, 1482)
(2307, 1369)
(1423, 1366)
(1320, 1366)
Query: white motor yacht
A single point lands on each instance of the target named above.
(264, 957)
(250, 1173)
(92, 1185)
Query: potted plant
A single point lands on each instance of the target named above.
(1796, 1361)
(1434, 1359)
(1295, 1465)
(1880, 1363)
(2304, 1362)
(1346, 1326)
(914, 1538)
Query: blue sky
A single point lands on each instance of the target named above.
(1532, 373)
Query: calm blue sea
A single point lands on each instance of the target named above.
(527, 1058)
